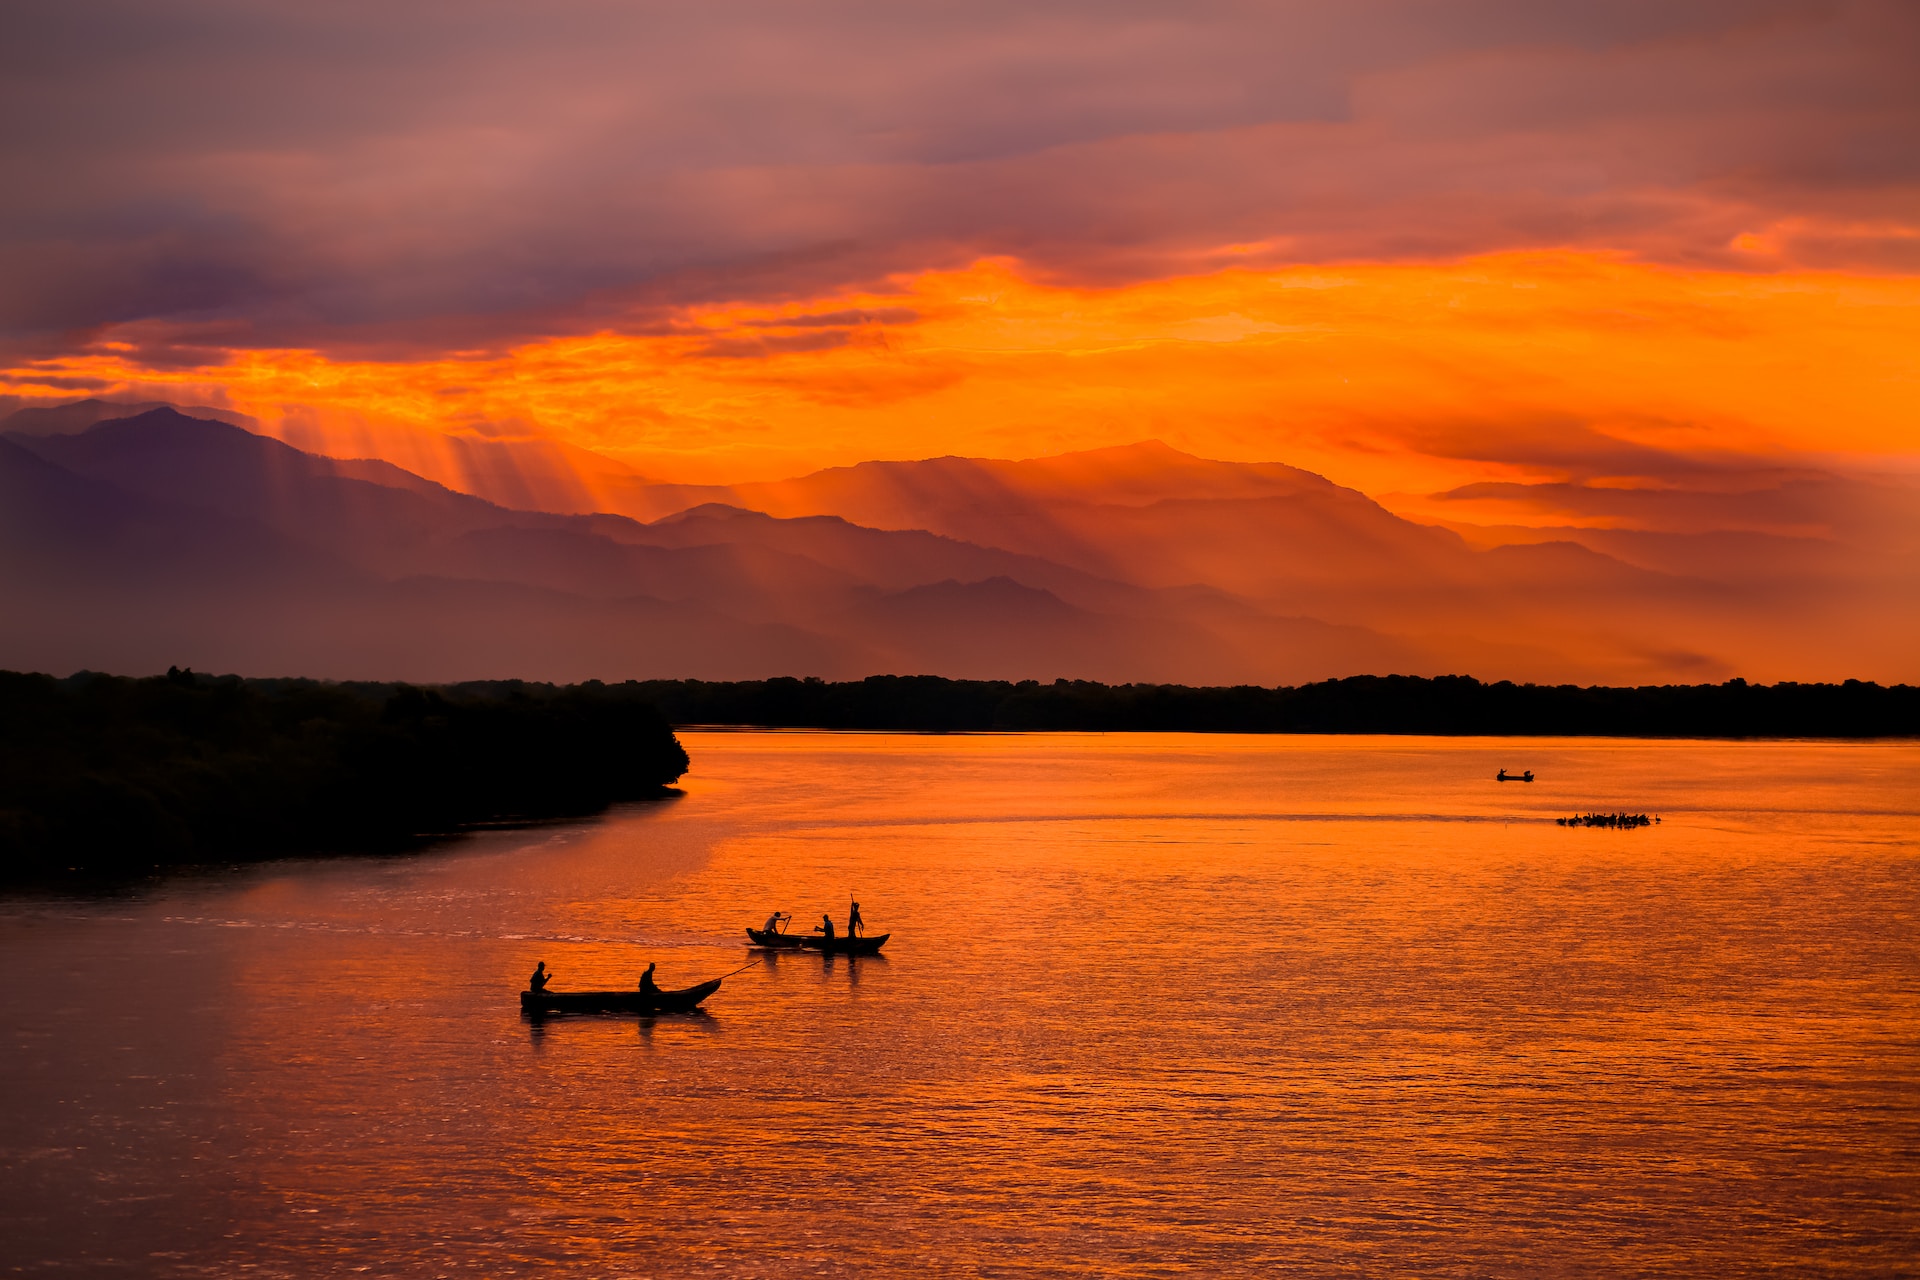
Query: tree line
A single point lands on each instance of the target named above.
(1453, 705)
(108, 776)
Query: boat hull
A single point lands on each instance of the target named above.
(685, 1000)
(775, 941)
(847, 946)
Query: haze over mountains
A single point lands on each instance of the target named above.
(134, 543)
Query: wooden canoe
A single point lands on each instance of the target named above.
(776, 941)
(685, 1000)
(844, 946)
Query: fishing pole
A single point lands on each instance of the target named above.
(743, 968)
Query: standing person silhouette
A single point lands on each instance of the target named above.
(538, 982)
(854, 922)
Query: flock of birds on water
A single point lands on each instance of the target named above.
(1607, 820)
(1618, 821)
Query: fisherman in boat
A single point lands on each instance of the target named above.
(538, 982)
(773, 921)
(647, 985)
(854, 923)
(825, 926)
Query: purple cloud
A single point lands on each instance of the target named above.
(393, 178)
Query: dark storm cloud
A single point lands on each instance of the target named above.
(404, 176)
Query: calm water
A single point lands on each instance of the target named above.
(1153, 1005)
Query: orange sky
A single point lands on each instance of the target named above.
(1399, 379)
(1640, 282)
(1412, 247)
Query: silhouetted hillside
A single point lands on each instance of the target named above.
(1452, 705)
(77, 416)
(161, 538)
(101, 775)
(1608, 604)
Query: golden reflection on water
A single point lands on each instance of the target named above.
(1152, 1004)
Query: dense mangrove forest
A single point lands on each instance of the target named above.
(102, 776)
(1457, 705)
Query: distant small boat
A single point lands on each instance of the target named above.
(776, 941)
(847, 946)
(1504, 776)
(685, 1000)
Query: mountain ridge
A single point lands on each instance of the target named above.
(1154, 565)
(706, 600)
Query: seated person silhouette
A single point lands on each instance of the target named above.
(773, 921)
(825, 926)
(538, 982)
(647, 985)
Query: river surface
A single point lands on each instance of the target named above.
(1153, 1005)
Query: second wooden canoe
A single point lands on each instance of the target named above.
(685, 1000)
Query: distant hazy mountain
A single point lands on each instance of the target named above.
(1280, 541)
(528, 474)
(96, 575)
(70, 419)
(165, 539)
(1795, 577)
(1145, 514)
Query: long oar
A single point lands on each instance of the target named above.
(743, 968)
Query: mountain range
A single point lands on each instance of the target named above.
(131, 543)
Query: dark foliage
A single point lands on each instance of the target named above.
(1361, 704)
(107, 776)
(113, 776)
